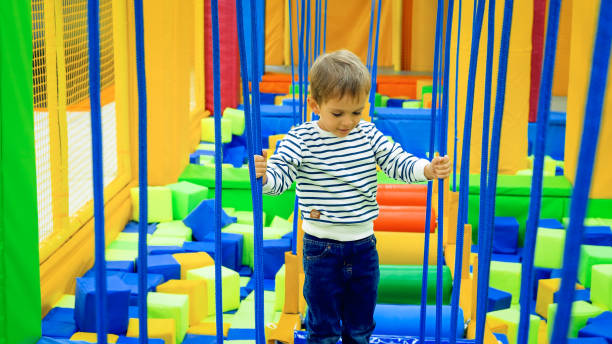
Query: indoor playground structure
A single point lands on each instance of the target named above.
(130, 211)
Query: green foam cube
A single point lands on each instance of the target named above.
(208, 146)
(66, 301)
(279, 222)
(166, 241)
(207, 160)
(601, 286)
(244, 217)
(384, 100)
(160, 204)
(117, 255)
(247, 233)
(244, 317)
(230, 282)
(237, 118)
(128, 236)
(581, 312)
(173, 229)
(279, 288)
(412, 104)
(510, 317)
(507, 277)
(172, 306)
(208, 130)
(592, 255)
(229, 211)
(549, 248)
(123, 245)
(185, 197)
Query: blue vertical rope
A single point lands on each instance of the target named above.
(306, 63)
(535, 201)
(465, 168)
(368, 62)
(325, 28)
(295, 122)
(301, 60)
(456, 92)
(443, 137)
(584, 170)
(317, 29)
(97, 168)
(142, 174)
(218, 165)
(375, 63)
(432, 140)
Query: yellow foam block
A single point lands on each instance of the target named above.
(272, 140)
(419, 87)
(91, 337)
(208, 130)
(291, 283)
(164, 329)
(543, 333)
(546, 293)
(195, 290)
(192, 260)
(302, 301)
(208, 329)
(283, 330)
(395, 248)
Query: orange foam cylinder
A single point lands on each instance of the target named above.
(403, 218)
(402, 194)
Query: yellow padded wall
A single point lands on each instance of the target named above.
(561, 73)
(275, 29)
(513, 148)
(584, 21)
(423, 35)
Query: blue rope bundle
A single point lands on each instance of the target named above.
(325, 28)
(374, 62)
(369, 59)
(456, 93)
(296, 120)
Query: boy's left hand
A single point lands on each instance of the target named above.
(438, 168)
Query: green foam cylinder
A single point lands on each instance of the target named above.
(185, 197)
(208, 130)
(170, 306)
(601, 286)
(581, 312)
(160, 204)
(549, 248)
(173, 229)
(592, 255)
(401, 284)
(507, 277)
(230, 282)
(237, 118)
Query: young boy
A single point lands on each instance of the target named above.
(334, 162)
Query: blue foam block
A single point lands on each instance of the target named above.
(241, 334)
(244, 292)
(274, 256)
(200, 219)
(559, 171)
(199, 339)
(58, 329)
(245, 271)
(133, 311)
(408, 127)
(538, 274)
(91, 273)
(510, 258)
(131, 280)
(501, 338)
(597, 235)
(228, 260)
(550, 223)
(269, 285)
(603, 318)
(601, 331)
(49, 340)
(404, 320)
(164, 264)
(132, 227)
(232, 246)
(117, 298)
(60, 314)
(592, 340)
(268, 98)
(555, 139)
(131, 340)
(395, 102)
(290, 102)
(155, 250)
(288, 236)
(234, 155)
(498, 300)
(505, 235)
(579, 295)
(194, 158)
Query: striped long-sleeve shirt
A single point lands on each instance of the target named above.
(336, 176)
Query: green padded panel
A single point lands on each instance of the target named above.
(208, 130)
(116, 255)
(279, 288)
(173, 229)
(581, 312)
(123, 245)
(599, 208)
(601, 286)
(507, 277)
(553, 186)
(185, 197)
(549, 248)
(237, 118)
(66, 301)
(165, 241)
(401, 284)
(173, 306)
(279, 222)
(511, 317)
(230, 282)
(248, 239)
(229, 211)
(160, 204)
(592, 255)
(205, 176)
(383, 101)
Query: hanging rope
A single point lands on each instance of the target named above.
(295, 123)
(368, 62)
(374, 64)
(301, 61)
(586, 159)
(465, 165)
(325, 28)
(306, 63)
(142, 174)
(456, 92)
(432, 140)
(97, 166)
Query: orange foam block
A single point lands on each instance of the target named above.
(192, 260)
(404, 218)
(401, 194)
(195, 290)
(283, 330)
(164, 329)
(292, 271)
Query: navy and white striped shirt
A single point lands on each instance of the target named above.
(336, 176)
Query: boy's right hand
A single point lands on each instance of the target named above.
(261, 166)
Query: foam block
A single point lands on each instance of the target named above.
(208, 329)
(154, 250)
(199, 339)
(92, 337)
(274, 256)
(404, 320)
(164, 329)
(510, 317)
(173, 229)
(233, 247)
(395, 248)
(507, 277)
(550, 223)
(192, 260)
(165, 241)
(228, 260)
(131, 280)
(175, 306)
(185, 197)
(539, 274)
(598, 340)
(546, 295)
(230, 281)
(279, 288)
(498, 300)
(118, 298)
(61, 314)
(597, 235)
(159, 201)
(237, 119)
(549, 248)
(244, 217)
(208, 130)
(581, 312)
(58, 329)
(592, 255)
(601, 285)
(279, 222)
(130, 340)
(199, 220)
(597, 329)
(505, 235)
(164, 264)
(132, 227)
(247, 232)
(195, 290)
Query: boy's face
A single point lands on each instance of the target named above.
(339, 116)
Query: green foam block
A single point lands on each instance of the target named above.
(549, 248)
(279, 289)
(401, 284)
(209, 146)
(245, 316)
(384, 100)
(160, 204)
(592, 255)
(279, 222)
(230, 282)
(173, 229)
(601, 285)
(185, 197)
(123, 245)
(237, 118)
(117, 255)
(208, 130)
(507, 277)
(581, 312)
(123, 236)
(173, 306)
(166, 241)
(229, 211)
(244, 217)
(412, 104)
(247, 233)
(207, 160)
(511, 317)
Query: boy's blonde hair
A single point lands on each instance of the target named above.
(334, 75)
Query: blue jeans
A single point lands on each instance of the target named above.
(340, 288)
